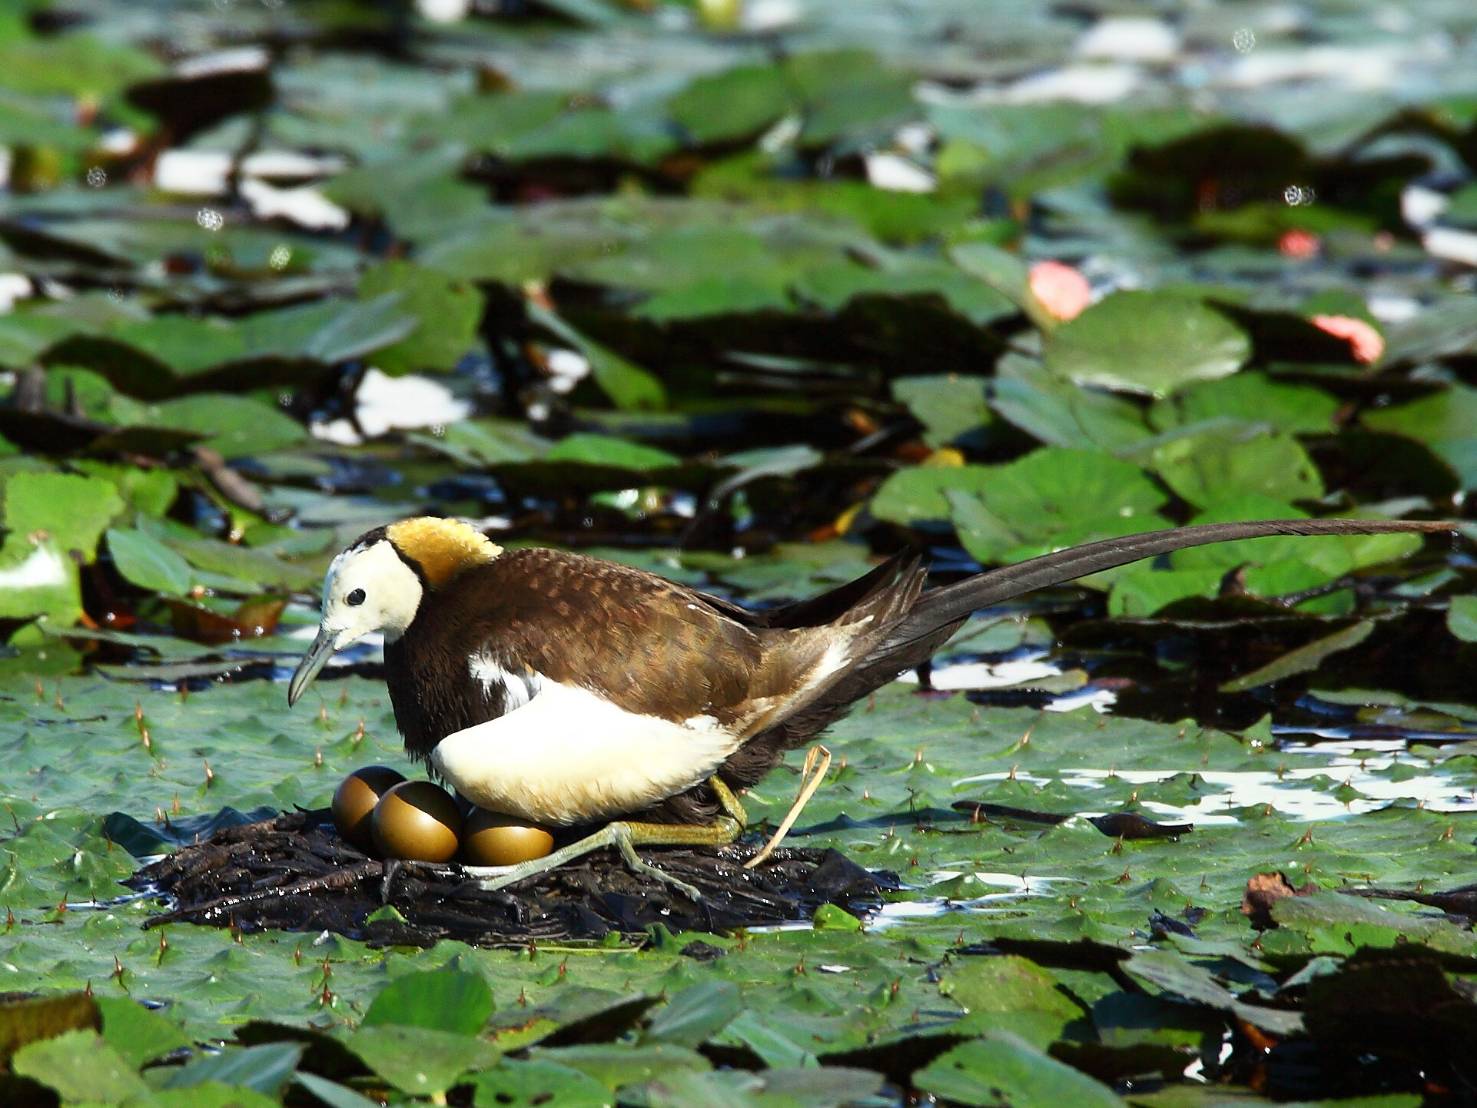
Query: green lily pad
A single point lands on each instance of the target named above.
(1461, 618)
(447, 311)
(695, 1014)
(1002, 1066)
(442, 1000)
(1143, 342)
(419, 1060)
(1210, 466)
(1446, 420)
(952, 409)
(148, 563)
(1013, 994)
(528, 1083)
(79, 1065)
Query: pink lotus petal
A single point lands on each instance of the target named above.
(1299, 244)
(1368, 344)
(1062, 291)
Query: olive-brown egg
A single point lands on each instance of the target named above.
(493, 839)
(354, 801)
(417, 821)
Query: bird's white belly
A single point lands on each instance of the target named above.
(568, 755)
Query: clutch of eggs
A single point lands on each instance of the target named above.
(380, 812)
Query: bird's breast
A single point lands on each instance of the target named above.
(568, 755)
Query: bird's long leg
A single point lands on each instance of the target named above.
(728, 801)
(626, 837)
(817, 762)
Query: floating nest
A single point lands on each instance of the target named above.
(294, 873)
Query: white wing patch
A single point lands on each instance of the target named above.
(518, 688)
(568, 755)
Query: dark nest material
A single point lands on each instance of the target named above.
(294, 873)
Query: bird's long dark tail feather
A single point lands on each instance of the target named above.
(939, 612)
(913, 626)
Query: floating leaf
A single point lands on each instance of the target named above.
(951, 408)
(419, 1060)
(1144, 342)
(136, 1033)
(1216, 464)
(264, 1069)
(79, 1065)
(1302, 660)
(1010, 993)
(605, 450)
(148, 563)
(1002, 1066)
(447, 312)
(442, 1000)
(1461, 618)
(695, 1014)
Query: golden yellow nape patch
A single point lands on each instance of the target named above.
(442, 547)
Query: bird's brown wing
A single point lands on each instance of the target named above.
(643, 643)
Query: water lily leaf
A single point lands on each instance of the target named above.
(150, 491)
(148, 563)
(1446, 421)
(823, 1087)
(419, 197)
(136, 1033)
(1059, 413)
(695, 1014)
(1142, 591)
(30, 1019)
(1212, 465)
(1302, 660)
(615, 1066)
(1175, 974)
(79, 1065)
(71, 511)
(733, 104)
(894, 276)
(442, 1000)
(1001, 270)
(1461, 618)
(332, 1093)
(1337, 924)
(1248, 397)
(628, 385)
(847, 93)
(606, 450)
(48, 517)
(637, 133)
(485, 442)
(951, 408)
(419, 1060)
(1003, 1067)
(1010, 993)
(264, 1069)
(80, 65)
(253, 570)
(1145, 342)
(830, 917)
(1051, 497)
(524, 1084)
(447, 313)
(234, 426)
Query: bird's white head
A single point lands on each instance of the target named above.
(369, 588)
(378, 584)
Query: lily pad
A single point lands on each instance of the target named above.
(1151, 343)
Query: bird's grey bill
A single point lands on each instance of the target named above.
(313, 661)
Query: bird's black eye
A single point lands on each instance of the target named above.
(355, 598)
